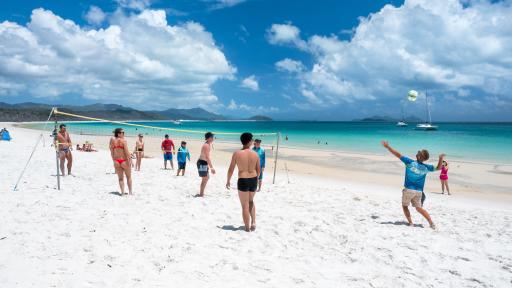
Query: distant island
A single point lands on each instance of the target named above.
(28, 111)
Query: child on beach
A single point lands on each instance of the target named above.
(444, 177)
(415, 173)
(182, 157)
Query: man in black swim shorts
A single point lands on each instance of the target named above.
(204, 163)
(248, 163)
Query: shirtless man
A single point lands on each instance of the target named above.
(249, 169)
(204, 163)
(64, 148)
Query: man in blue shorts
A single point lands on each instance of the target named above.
(168, 150)
(415, 173)
(261, 153)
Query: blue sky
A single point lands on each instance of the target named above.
(314, 60)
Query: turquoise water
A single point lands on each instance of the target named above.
(490, 142)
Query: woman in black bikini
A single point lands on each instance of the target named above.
(122, 160)
(139, 152)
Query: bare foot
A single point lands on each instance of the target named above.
(198, 195)
(433, 226)
(253, 227)
(411, 224)
(247, 230)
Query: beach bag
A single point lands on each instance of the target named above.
(6, 136)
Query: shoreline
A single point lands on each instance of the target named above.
(294, 147)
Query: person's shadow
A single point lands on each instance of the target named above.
(400, 223)
(231, 228)
(115, 193)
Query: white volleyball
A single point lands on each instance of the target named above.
(412, 95)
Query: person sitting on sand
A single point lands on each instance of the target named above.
(64, 147)
(122, 159)
(248, 163)
(139, 152)
(182, 157)
(204, 162)
(444, 177)
(168, 150)
(261, 153)
(415, 173)
(78, 147)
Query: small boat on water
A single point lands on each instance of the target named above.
(427, 126)
(402, 122)
(177, 122)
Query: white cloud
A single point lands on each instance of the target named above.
(282, 34)
(139, 59)
(95, 16)
(289, 65)
(221, 4)
(251, 83)
(251, 109)
(443, 45)
(134, 4)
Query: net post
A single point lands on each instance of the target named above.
(275, 159)
(56, 141)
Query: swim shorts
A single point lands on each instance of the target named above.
(202, 168)
(247, 184)
(182, 165)
(167, 156)
(411, 197)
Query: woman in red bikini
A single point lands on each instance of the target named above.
(122, 159)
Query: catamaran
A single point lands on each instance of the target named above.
(427, 126)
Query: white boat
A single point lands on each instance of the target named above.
(177, 122)
(402, 122)
(427, 126)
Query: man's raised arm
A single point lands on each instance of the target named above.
(391, 150)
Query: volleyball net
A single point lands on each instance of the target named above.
(89, 134)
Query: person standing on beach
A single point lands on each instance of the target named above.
(139, 151)
(64, 147)
(248, 163)
(261, 153)
(182, 157)
(122, 159)
(204, 163)
(444, 177)
(168, 150)
(415, 173)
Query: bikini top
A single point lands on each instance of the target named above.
(118, 147)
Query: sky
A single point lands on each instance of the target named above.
(290, 60)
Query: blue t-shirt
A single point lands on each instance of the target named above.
(415, 173)
(261, 152)
(183, 154)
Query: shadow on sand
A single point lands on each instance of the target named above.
(404, 223)
(115, 193)
(232, 228)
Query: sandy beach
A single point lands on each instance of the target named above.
(332, 219)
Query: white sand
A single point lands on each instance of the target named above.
(313, 232)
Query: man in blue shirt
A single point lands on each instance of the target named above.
(261, 153)
(182, 157)
(415, 173)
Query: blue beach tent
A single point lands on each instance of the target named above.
(6, 136)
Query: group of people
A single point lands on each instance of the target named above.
(250, 161)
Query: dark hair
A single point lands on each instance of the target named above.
(257, 140)
(183, 142)
(425, 154)
(166, 136)
(245, 138)
(117, 131)
(208, 135)
(62, 125)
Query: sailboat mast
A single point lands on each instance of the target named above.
(428, 110)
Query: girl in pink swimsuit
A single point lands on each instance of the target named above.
(444, 177)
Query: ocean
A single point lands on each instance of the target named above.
(478, 142)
